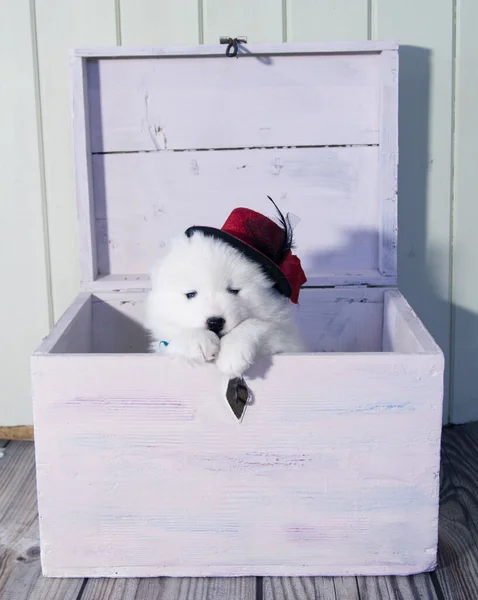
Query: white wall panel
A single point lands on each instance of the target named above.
(24, 282)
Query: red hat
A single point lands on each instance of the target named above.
(266, 243)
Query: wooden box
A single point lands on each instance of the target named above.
(142, 468)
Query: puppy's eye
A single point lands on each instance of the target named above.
(191, 295)
(233, 291)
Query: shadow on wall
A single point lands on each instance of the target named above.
(420, 267)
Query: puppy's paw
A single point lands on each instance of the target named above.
(197, 346)
(234, 358)
(209, 345)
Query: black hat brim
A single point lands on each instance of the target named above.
(281, 283)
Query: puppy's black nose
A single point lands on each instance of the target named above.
(215, 324)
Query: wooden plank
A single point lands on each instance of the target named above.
(402, 329)
(19, 432)
(464, 407)
(388, 164)
(330, 320)
(341, 320)
(159, 21)
(83, 180)
(126, 282)
(166, 588)
(20, 575)
(461, 447)
(61, 25)
(426, 92)
(346, 588)
(298, 588)
(309, 20)
(240, 588)
(332, 190)
(333, 480)
(374, 588)
(418, 587)
(23, 255)
(72, 332)
(311, 588)
(118, 325)
(115, 589)
(263, 50)
(457, 573)
(258, 21)
(159, 103)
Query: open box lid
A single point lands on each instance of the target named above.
(173, 137)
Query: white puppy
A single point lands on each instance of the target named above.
(209, 302)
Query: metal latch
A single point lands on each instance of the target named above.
(237, 396)
(232, 44)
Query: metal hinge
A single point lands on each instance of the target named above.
(225, 39)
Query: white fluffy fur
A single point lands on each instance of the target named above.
(258, 318)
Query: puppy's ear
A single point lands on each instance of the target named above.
(174, 243)
(192, 235)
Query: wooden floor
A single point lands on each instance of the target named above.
(455, 579)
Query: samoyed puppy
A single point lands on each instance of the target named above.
(210, 303)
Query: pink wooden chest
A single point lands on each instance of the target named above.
(142, 469)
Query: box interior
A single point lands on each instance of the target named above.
(165, 142)
(330, 320)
